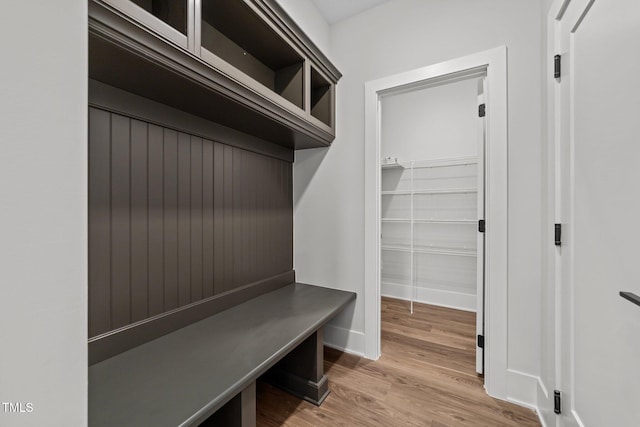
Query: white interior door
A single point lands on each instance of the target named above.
(599, 187)
(480, 241)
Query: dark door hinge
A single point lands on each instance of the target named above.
(481, 226)
(557, 402)
(481, 341)
(557, 60)
(558, 234)
(482, 110)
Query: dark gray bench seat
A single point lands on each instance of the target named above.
(211, 366)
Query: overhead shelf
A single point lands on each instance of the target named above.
(233, 33)
(242, 64)
(322, 94)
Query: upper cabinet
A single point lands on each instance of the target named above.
(241, 63)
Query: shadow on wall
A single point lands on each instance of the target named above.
(338, 332)
(339, 337)
(308, 162)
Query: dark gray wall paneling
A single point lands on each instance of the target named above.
(175, 219)
(139, 218)
(155, 219)
(120, 217)
(100, 220)
(118, 101)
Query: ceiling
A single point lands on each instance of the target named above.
(337, 10)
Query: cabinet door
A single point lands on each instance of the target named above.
(169, 18)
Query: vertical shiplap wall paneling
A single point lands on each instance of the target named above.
(100, 222)
(274, 239)
(155, 177)
(266, 218)
(260, 203)
(139, 221)
(170, 221)
(175, 218)
(269, 216)
(248, 250)
(281, 216)
(285, 249)
(277, 219)
(219, 277)
(184, 219)
(259, 220)
(237, 216)
(197, 254)
(288, 213)
(120, 221)
(255, 213)
(247, 199)
(208, 220)
(228, 230)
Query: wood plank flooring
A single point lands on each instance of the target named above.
(425, 377)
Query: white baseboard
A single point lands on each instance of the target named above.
(522, 389)
(529, 391)
(545, 412)
(577, 418)
(542, 419)
(343, 339)
(457, 300)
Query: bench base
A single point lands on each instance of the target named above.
(238, 412)
(301, 372)
(311, 391)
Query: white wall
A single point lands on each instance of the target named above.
(403, 35)
(43, 214)
(308, 17)
(433, 123)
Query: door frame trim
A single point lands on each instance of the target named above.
(493, 62)
(564, 15)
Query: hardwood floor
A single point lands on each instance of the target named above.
(425, 377)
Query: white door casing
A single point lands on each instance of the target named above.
(493, 65)
(597, 138)
(480, 239)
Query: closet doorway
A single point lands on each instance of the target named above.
(490, 68)
(432, 197)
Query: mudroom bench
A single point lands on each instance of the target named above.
(205, 373)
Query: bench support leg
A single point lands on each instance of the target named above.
(248, 406)
(301, 372)
(238, 412)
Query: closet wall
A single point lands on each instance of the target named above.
(432, 123)
(429, 201)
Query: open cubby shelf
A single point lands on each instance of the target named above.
(244, 64)
(321, 105)
(233, 32)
